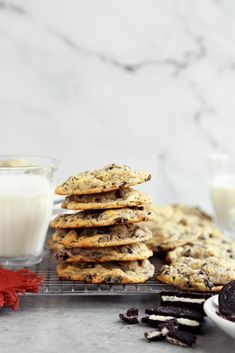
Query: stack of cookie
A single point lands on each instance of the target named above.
(100, 242)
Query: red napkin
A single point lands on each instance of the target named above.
(13, 282)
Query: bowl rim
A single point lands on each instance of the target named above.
(211, 308)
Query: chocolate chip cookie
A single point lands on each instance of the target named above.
(111, 199)
(99, 237)
(107, 272)
(111, 177)
(168, 236)
(99, 218)
(209, 243)
(130, 252)
(205, 275)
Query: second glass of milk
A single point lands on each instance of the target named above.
(26, 201)
(222, 188)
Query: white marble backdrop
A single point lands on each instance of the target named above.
(150, 83)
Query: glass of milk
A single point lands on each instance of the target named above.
(222, 188)
(26, 201)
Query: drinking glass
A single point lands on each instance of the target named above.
(222, 188)
(26, 202)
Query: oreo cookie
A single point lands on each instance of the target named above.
(187, 319)
(130, 317)
(155, 335)
(180, 338)
(163, 329)
(192, 300)
(227, 301)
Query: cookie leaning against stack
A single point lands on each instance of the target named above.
(200, 257)
(101, 242)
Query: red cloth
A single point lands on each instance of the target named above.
(13, 282)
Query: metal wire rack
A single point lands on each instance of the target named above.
(52, 285)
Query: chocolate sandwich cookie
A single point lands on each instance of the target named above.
(155, 335)
(170, 332)
(180, 338)
(130, 317)
(187, 319)
(191, 300)
(162, 330)
(227, 301)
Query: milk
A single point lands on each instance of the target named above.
(223, 198)
(25, 210)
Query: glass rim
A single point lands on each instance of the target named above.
(40, 161)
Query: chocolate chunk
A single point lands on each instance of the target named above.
(132, 312)
(155, 335)
(180, 338)
(98, 199)
(113, 279)
(120, 220)
(227, 301)
(120, 193)
(131, 316)
(61, 255)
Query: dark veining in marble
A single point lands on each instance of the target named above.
(6, 5)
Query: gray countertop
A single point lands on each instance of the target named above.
(89, 324)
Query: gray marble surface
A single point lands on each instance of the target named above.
(80, 324)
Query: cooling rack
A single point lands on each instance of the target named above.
(52, 285)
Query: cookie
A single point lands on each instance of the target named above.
(162, 330)
(107, 272)
(112, 199)
(227, 301)
(154, 336)
(205, 275)
(55, 245)
(180, 338)
(130, 317)
(208, 244)
(111, 177)
(123, 234)
(187, 319)
(193, 211)
(117, 253)
(191, 300)
(100, 218)
(168, 236)
(174, 216)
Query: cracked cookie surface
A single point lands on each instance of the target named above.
(122, 234)
(130, 252)
(209, 244)
(120, 198)
(99, 218)
(199, 274)
(180, 218)
(111, 177)
(108, 272)
(169, 236)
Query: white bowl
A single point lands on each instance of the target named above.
(211, 309)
